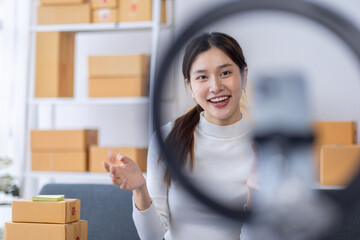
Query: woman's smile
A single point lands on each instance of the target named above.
(220, 101)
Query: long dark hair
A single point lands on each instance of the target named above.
(181, 137)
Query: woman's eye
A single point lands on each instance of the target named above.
(225, 73)
(202, 77)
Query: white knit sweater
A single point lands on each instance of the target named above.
(223, 157)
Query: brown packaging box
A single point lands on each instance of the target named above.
(332, 133)
(118, 87)
(104, 15)
(335, 132)
(54, 75)
(26, 210)
(62, 140)
(135, 10)
(64, 14)
(118, 65)
(104, 3)
(101, 154)
(59, 161)
(338, 164)
(61, 2)
(40, 231)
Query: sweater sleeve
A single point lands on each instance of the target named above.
(153, 222)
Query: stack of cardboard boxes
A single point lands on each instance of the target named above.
(46, 220)
(96, 11)
(61, 150)
(337, 154)
(63, 12)
(118, 76)
(76, 151)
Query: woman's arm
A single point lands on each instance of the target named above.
(150, 214)
(142, 198)
(253, 181)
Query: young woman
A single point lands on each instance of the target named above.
(214, 145)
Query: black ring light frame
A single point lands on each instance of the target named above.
(338, 25)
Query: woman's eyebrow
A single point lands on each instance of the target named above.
(200, 71)
(219, 67)
(225, 65)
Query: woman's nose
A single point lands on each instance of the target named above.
(215, 85)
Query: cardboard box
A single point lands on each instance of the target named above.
(59, 161)
(118, 87)
(54, 71)
(118, 65)
(40, 231)
(61, 2)
(26, 210)
(332, 133)
(101, 154)
(104, 15)
(64, 14)
(62, 140)
(104, 3)
(339, 164)
(335, 132)
(139, 10)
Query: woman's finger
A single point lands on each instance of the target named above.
(117, 181)
(106, 166)
(123, 184)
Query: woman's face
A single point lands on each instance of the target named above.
(216, 85)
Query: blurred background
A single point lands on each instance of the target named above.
(82, 72)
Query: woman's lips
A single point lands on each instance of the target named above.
(220, 101)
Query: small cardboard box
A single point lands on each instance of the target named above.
(118, 87)
(41, 231)
(135, 10)
(104, 15)
(26, 210)
(61, 2)
(335, 132)
(62, 140)
(104, 3)
(64, 14)
(118, 65)
(54, 71)
(101, 154)
(59, 161)
(339, 164)
(332, 133)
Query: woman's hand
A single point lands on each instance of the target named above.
(127, 175)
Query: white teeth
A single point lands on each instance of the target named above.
(219, 99)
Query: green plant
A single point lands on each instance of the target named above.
(7, 184)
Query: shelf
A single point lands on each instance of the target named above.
(317, 186)
(72, 175)
(93, 27)
(89, 101)
(68, 175)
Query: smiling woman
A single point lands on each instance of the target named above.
(212, 144)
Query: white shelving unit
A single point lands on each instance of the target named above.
(34, 178)
(89, 101)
